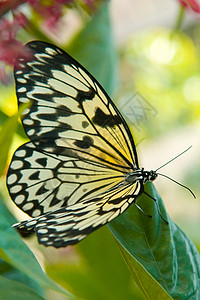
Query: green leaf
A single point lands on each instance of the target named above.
(94, 48)
(106, 264)
(158, 254)
(15, 252)
(100, 273)
(9, 272)
(10, 289)
(148, 285)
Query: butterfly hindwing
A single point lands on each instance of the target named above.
(69, 225)
(70, 176)
(40, 182)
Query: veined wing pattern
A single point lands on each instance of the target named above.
(71, 176)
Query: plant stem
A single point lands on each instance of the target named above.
(179, 19)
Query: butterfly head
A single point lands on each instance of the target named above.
(149, 175)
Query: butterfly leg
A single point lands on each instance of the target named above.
(150, 216)
(158, 208)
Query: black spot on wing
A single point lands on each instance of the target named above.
(42, 161)
(61, 111)
(54, 202)
(103, 120)
(85, 95)
(66, 111)
(42, 190)
(86, 143)
(116, 201)
(65, 201)
(48, 117)
(85, 124)
(53, 147)
(35, 176)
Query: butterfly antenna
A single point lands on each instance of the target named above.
(173, 159)
(158, 208)
(184, 186)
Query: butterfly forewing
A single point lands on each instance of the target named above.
(80, 149)
(68, 103)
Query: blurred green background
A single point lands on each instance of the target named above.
(153, 76)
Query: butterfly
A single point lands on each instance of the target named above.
(80, 168)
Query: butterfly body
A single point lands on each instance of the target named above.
(80, 168)
(142, 175)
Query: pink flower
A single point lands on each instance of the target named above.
(191, 4)
(54, 14)
(50, 12)
(10, 48)
(33, 2)
(20, 20)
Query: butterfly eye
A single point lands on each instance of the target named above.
(153, 175)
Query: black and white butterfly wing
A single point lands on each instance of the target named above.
(69, 225)
(80, 149)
